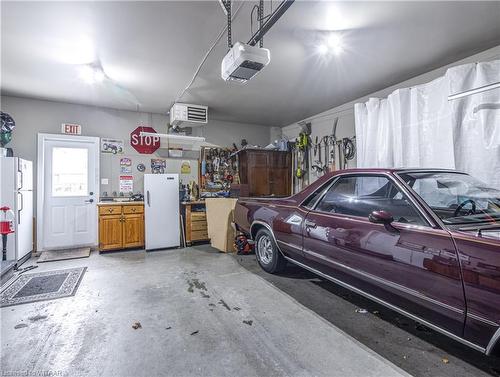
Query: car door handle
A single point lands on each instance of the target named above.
(310, 224)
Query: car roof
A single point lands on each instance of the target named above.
(393, 170)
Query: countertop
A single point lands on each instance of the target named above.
(194, 202)
(120, 203)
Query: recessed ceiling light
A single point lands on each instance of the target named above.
(335, 43)
(91, 74)
(322, 49)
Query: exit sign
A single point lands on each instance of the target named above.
(71, 129)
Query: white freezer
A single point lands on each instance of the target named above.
(16, 192)
(161, 211)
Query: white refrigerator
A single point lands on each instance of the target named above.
(16, 192)
(161, 211)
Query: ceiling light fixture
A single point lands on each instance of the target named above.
(332, 44)
(92, 74)
(335, 44)
(322, 49)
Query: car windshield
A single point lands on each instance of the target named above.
(456, 198)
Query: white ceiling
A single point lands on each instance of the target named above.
(150, 50)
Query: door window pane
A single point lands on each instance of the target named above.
(313, 198)
(69, 171)
(361, 195)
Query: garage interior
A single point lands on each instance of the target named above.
(147, 149)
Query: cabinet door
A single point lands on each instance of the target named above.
(279, 173)
(110, 232)
(133, 230)
(258, 176)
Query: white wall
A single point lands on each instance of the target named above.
(321, 124)
(33, 116)
(226, 133)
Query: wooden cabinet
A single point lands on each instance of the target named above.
(265, 172)
(110, 232)
(195, 220)
(121, 226)
(133, 231)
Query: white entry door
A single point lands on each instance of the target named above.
(70, 175)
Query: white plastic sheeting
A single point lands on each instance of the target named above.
(476, 121)
(419, 127)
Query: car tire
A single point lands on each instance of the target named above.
(269, 257)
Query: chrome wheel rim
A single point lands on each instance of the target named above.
(265, 249)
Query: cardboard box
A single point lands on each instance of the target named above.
(220, 218)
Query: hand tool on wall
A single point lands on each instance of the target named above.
(348, 149)
(332, 141)
(302, 144)
(325, 146)
(320, 161)
(331, 158)
(339, 146)
(317, 165)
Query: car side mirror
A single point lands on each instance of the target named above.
(383, 217)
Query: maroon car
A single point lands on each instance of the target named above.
(425, 243)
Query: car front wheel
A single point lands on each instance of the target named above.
(268, 255)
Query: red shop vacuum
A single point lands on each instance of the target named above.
(6, 228)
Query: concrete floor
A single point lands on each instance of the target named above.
(201, 312)
(414, 348)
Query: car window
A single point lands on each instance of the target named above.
(361, 195)
(313, 198)
(455, 197)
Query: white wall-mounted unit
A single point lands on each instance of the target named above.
(187, 113)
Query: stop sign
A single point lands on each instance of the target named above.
(144, 144)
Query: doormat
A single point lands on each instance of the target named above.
(42, 286)
(53, 255)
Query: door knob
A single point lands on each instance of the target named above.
(89, 201)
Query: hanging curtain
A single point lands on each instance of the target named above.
(476, 121)
(419, 128)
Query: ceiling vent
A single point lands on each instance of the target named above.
(186, 113)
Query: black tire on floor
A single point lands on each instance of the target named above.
(268, 255)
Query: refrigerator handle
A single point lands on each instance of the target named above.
(21, 179)
(147, 198)
(21, 207)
